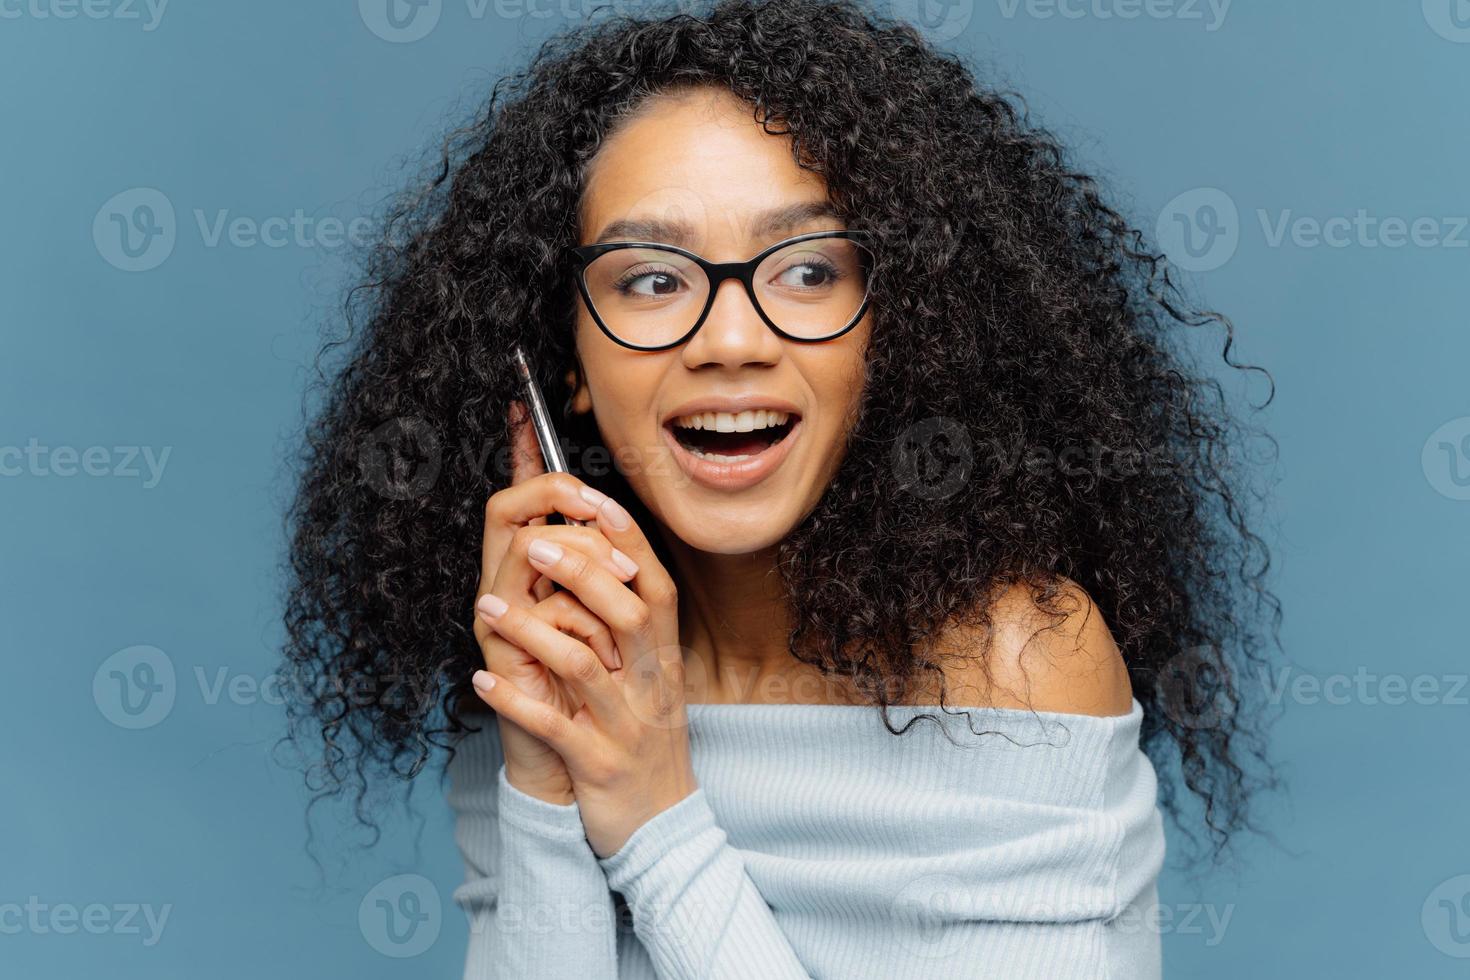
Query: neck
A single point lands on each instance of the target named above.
(734, 621)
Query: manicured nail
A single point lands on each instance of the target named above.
(492, 606)
(544, 552)
(593, 497)
(482, 680)
(628, 565)
(616, 515)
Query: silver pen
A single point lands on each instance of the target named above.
(551, 454)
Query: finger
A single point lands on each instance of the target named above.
(509, 660)
(639, 631)
(535, 716)
(517, 575)
(521, 584)
(565, 612)
(652, 582)
(646, 631)
(588, 540)
(531, 677)
(567, 657)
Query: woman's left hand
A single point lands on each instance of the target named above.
(626, 747)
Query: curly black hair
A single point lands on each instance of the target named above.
(1023, 331)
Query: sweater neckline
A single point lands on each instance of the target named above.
(1058, 756)
(851, 716)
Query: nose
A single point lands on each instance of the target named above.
(733, 334)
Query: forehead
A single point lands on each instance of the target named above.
(696, 169)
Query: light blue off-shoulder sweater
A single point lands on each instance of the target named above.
(820, 845)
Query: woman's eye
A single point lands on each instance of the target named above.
(648, 283)
(807, 275)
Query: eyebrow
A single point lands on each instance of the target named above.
(766, 224)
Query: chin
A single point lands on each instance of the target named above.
(721, 529)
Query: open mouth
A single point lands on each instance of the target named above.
(723, 439)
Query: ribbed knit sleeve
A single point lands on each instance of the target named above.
(539, 905)
(694, 908)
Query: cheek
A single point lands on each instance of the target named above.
(840, 381)
(621, 385)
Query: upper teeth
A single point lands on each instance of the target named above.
(760, 418)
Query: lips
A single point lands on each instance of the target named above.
(740, 474)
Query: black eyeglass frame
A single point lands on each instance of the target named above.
(716, 273)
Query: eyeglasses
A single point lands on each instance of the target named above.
(650, 296)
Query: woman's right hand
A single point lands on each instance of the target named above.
(514, 517)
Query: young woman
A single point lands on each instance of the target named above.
(909, 533)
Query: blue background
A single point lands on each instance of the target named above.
(1310, 108)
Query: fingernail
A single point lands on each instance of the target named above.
(492, 606)
(627, 564)
(593, 497)
(482, 680)
(616, 515)
(617, 659)
(544, 552)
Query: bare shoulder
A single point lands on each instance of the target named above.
(1064, 661)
